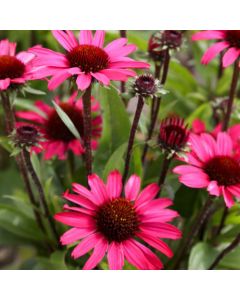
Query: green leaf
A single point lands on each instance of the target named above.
(15, 221)
(66, 120)
(201, 256)
(55, 262)
(203, 110)
(116, 161)
(33, 91)
(4, 142)
(116, 127)
(185, 201)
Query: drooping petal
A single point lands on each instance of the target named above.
(4, 84)
(156, 243)
(213, 51)
(208, 35)
(195, 180)
(161, 230)
(115, 256)
(74, 219)
(97, 255)
(86, 245)
(57, 79)
(134, 255)
(213, 188)
(230, 56)
(228, 197)
(75, 234)
(101, 77)
(83, 81)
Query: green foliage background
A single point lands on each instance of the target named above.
(191, 88)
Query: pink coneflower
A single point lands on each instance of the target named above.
(58, 138)
(109, 222)
(212, 164)
(86, 59)
(173, 134)
(14, 69)
(228, 40)
(199, 127)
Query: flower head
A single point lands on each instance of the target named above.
(228, 40)
(146, 86)
(25, 136)
(58, 138)
(212, 164)
(162, 40)
(86, 59)
(14, 69)
(109, 222)
(173, 134)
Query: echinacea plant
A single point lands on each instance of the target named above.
(90, 180)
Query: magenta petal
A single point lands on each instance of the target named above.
(213, 51)
(147, 194)
(134, 255)
(77, 199)
(195, 180)
(85, 37)
(230, 56)
(198, 126)
(156, 243)
(57, 79)
(63, 38)
(185, 169)
(98, 188)
(114, 184)
(101, 77)
(74, 219)
(83, 81)
(98, 39)
(132, 187)
(228, 197)
(153, 260)
(74, 234)
(224, 144)
(213, 188)
(208, 35)
(86, 245)
(115, 256)
(25, 57)
(7, 48)
(84, 192)
(97, 255)
(4, 84)
(115, 44)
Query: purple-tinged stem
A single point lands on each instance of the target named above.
(132, 136)
(87, 125)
